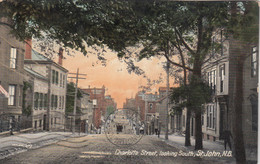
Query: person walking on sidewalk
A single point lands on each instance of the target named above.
(227, 135)
(159, 130)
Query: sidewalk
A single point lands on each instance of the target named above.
(14, 144)
(178, 141)
(207, 145)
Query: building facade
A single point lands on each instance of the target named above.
(216, 72)
(56, 76)
(97, 96)
(86, 112)
(235, 65)
(11, 78)
(36, 98)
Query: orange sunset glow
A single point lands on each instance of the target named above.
(114, 76)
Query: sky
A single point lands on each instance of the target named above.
(114, 76)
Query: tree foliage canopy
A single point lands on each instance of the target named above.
(120, 24)
(190, 96)
(75, 23)
(70, 98)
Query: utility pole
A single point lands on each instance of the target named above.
(75, 98)
(167, 100)
(145, 114)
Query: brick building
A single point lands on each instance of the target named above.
(11, 77)
(97, 95)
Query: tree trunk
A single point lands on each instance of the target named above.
(238, 111)
(196, 80)
(198, 130)
(237, 99)
(187, 132)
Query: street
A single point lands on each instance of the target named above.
(97, 149)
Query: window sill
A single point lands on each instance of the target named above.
(213, 129)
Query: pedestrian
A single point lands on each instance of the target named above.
(159, 130)
(12, 125)
(156, 131)
(227, 135)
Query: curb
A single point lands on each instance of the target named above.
(7, 133)
(230, 160)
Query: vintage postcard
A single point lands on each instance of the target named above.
(134, 82)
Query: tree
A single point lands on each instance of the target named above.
(70, 98)
(75, 24)
(27, 109)
(120, 24)
(244, 28)
(110, 110)
(188, 25)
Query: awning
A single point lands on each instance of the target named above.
(3, 92)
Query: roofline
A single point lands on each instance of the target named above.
(162, 98)
(33, 75)
(29, 61)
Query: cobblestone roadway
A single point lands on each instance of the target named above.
(97, 149)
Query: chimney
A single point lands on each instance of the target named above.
(60, 56)
(28, 49)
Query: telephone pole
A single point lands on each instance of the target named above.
(75, 97)
(167, 101)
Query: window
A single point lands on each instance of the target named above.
(63, 83)
(56, 101)
(13, 58)
(254, 107)
(222, 76)
(40, 123)
(151, 106)
(183, 120)
(11, 99)
(214, 117)
(20, 91)
(40, 100)
(208, 116)
(221, 36)
(52, 101)
(61, 79)
(211, 116)
(212, 80)
(209, 78)
(53, 76)
(57, 77)
(254, 62)
(45, 101)
(213, 45)
(202, 119)
(35, 124)
(60, 102)
(36, 100)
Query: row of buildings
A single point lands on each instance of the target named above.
(33, 91)
(221, 71)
